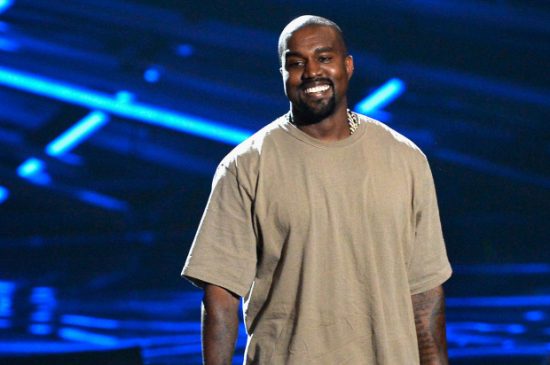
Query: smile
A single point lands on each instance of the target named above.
(317, 89)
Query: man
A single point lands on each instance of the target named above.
(326, 222)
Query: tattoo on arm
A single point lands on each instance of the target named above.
(220, 324)
(429, 317)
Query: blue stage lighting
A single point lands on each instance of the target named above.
(124, 96)
(5, 323)
(7, 290)
(187, 349)
(511, 301)
(7, 287)
(101, 200)
(152, 75)
(87, 321)
(185, 50)
(503, 269)
(534, 316)
(504, 351)
(381, 97)
(30, 168)
(88, 337)
(8, 45)
(4, 194)
(40, 329)
(77, 133)
(137, 111)
(5, 4)
(33, 170)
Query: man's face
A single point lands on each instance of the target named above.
(316, 72)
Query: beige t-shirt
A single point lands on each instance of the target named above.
(326, 242)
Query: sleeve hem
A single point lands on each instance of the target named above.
(433, 282)
(198, 278)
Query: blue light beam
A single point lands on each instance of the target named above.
(132, 110)
(502, 269)
(8, 45)
(30, 168)
(87, 321)
(87, 337)
(4, 194)
(499, 302)
(4, 5)
(185, 50)
(100, 200)
(77, 133)
(381, 97)
(33, 170)
(152, 75)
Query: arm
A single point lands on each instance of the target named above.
(220, 324)
(429, 318)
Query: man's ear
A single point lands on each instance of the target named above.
(349, 65)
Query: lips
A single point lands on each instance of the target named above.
(316, 87)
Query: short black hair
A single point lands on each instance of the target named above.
(305, 21)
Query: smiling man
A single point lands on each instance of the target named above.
(326, 223)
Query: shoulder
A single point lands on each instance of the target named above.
(247, 154)
(388, 139)
(242, 164)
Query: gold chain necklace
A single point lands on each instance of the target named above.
(353, 120)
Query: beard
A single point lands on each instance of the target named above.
(313, 113)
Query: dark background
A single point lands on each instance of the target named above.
(477, 102)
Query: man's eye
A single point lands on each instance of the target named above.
(294, 64)
(325, 59)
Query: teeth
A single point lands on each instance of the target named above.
(317, 89)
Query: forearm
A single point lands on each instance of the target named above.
(220, 323)
(429, 316)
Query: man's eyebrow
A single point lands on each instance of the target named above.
(324, 49)
(292, 54)
(317, 50)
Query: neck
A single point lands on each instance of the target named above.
(330, 129)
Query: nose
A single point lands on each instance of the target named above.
(312, 69)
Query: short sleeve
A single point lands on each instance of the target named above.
(223, 252)
(428, 266)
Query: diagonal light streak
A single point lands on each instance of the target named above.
(142, 112)
(77, 133)
(381, 97)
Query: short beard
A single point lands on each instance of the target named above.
(307, 115)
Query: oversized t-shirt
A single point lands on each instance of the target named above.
(326, 242)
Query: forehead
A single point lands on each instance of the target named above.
(310, 38)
